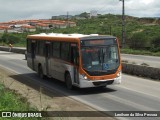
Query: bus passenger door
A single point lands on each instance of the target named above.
(33, 53)
(74, 59)
(47, 57)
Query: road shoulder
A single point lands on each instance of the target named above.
(52, 101)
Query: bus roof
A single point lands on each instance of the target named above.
(73, 36)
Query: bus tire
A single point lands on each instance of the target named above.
(68, 81)
(40, 72)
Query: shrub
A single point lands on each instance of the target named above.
(138, 41)
(10, 38)
(155, 44)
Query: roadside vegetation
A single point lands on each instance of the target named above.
(10, 101)
(142, 34)
(140, 52)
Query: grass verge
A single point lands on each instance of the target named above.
(10, 101)
(140, 52)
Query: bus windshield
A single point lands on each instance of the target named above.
(100, 58)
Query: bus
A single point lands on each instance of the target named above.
(76, 59)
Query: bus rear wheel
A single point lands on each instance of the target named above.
(68, 81)
(40, 72)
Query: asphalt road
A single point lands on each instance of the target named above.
(152, 61)
(134, 94)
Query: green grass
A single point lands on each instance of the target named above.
(10, 101)
(140, 52)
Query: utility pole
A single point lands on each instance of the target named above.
(67, 19)
(123, 25)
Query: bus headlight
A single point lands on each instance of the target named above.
(119, 74)
(84, 76)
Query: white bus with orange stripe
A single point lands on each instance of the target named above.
(78, 60)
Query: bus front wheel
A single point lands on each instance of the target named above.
(68, 81)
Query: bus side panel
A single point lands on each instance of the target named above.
(55, 69)
(40, 60)
(58, 69)
(29, 61)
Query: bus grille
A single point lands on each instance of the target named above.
(103, 83)
(98, 73)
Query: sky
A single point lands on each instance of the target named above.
(44, 9)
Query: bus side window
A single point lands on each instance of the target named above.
(47, 50)
(37, 48)
(33, 49)
(65, 51)
(56, 49)
(29, 46)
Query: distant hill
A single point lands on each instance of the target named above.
(151, 21)
(140, 33)
(141, 30)
(62, 17)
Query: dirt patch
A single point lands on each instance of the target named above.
(52, 101)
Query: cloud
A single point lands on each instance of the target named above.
(36, 9)
(142, 8)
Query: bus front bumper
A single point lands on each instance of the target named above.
(84, 83)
